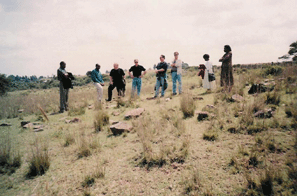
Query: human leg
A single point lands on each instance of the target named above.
(158, 84)
(179, 79)
(139, 86)
(99, 91)
(134, 85)
(174, 77)
(162, 84)
(66, 99)
(62, 97)
(110, 88)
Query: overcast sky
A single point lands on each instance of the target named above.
(36, 35)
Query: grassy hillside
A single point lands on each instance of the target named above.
(168, 152)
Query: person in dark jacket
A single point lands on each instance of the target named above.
(63, 77)
(161, 70)
(116, 76)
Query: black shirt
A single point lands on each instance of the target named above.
(136, 70)
(117, 75)
(162, 65)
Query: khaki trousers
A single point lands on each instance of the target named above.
(99, 91)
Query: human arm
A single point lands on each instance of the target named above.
(226, 57)
(111, 81)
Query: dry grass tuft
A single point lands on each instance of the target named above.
(75, 111)
(101, 119)
(187, 105)
(39, 162)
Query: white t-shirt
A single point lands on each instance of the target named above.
(208, 66)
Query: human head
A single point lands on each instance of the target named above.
(62, 65)
(162, 58)
(116, 65)
(176, 55)
(227, 48)
(97, 66)
(136, 62)
(206, 57)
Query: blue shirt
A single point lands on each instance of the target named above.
(96, 76)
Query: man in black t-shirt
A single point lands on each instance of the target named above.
(138, 72)
(161, 70)
(117, 76)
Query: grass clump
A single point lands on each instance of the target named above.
(273, 98)
(210, 135)
(39, 161)
(88, 181)
(74, 111)
(187, 105)
(83, 147)
(192, 183)
(9, 159)
(101, 119)
(68, 139)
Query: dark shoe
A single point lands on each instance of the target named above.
(61, 111)
(173, 94)
(107, 100)
(162, 96)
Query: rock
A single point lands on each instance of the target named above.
(112, 122)
(260, 114)
(90, 107)
(198, 98)
(28, 125)
(24, 123)
(5, 125)
(167, 99)
(115, 113)
(38, 128)
(120, 127)
(134, 113)
(150, 98)
(237, 98)
(20, 111)
(210, 106)
(75, 120)
(267, 113)
(202, 115)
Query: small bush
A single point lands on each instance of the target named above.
(101, 119)
(74, 111)
(10, 160)
(39, 161)
(253, 159)
(88, 181)
(273, 70)
(272, 98)
(187, 105)
(210, 135)
(193, 184)
(83, 147)
(68, 139)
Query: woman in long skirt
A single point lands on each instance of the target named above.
(226, 69)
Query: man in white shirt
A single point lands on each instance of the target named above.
(176, 71)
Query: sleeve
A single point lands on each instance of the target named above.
(100, 78)
(131, 69)
(179, 63)
(165, 66)
(93, 76)
(142, 68)
(226, 57)
(123, 73)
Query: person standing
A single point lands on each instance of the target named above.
(176, 71)
(116, 76)
(138, 71)
(161, 70)
(226, 69)
(98, 81)
(62, 77)
(207, 84)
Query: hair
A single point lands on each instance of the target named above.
(206, 56)
(163, 56)
(135, 60)
(97, 65)
(116, 64)
(228, 47)
(176, 53)
(62, 63)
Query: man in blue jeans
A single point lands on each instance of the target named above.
(176, 71)
(138, 72)
(161, 70)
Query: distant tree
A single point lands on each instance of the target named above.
(89, 73)
(292, 52)
(4, 84)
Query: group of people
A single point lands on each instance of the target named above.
(136, 72)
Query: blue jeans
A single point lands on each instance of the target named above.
(136, 83)
(160, 82)
(177, 77)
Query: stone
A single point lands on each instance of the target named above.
(90, 107)
(257, 88)
(115, 113)
(5, 124)
(198, 98)
(202, 115)
(120, 127)
(75, 120)
(20, 111)
(134, 113)
(24, 123)
(167, 99)
(259, 114)
(232, 130)
(237, 98)
(150, 98)
(37, 128)
(28, 125)
(267, 113)
(112, 122)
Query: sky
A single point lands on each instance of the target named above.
(36, 35)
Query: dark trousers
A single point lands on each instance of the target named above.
(120, 88)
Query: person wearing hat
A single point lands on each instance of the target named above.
(98, 81)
